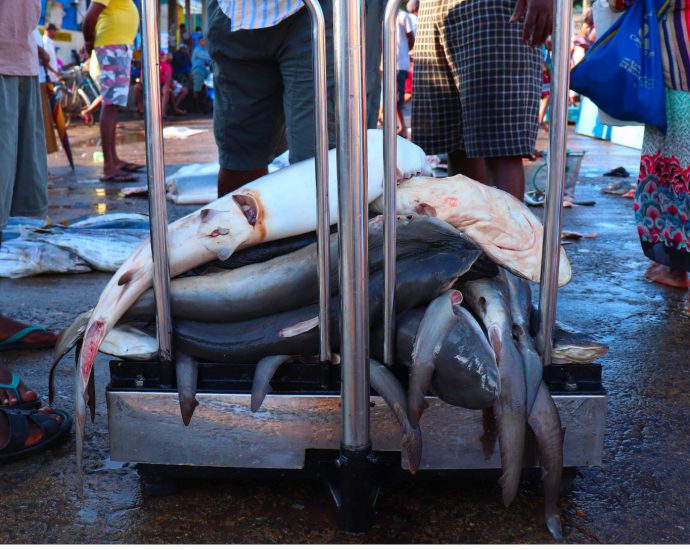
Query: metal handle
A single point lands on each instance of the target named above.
(155, 175)
(390, 154)
(553, 207)
(348, 20)
(318, 40)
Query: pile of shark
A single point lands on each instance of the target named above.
(245, 290)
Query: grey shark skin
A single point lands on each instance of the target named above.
(419, 280)
(389, 388)
(187, 372)
(261, 383)
(546, 425)
(520, 298)
(486, 298)
(288, 282)
(66, 341)
(438, 319)
(466, 374)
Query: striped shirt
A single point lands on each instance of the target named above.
(257, 14)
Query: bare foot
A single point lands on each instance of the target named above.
(663, 275)
(10, 327)
(8, 398)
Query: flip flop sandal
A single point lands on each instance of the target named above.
(52, 433)
(13, 342)
(119, 178)
(133, 167)
(14, 386)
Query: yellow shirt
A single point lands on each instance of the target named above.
(117, 23)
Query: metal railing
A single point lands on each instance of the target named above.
(553, 207)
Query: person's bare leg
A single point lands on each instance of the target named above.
(139, 98)
(178, 101)
(543, 105)
(402, 128)
(165, 99)
(459, 163)
(664, 275)
(94, 105)
(507, 174)
(231, 180)
(111, 162)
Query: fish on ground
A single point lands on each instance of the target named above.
(103, 249)
(486, 299)
(20, 258)
(114, 220)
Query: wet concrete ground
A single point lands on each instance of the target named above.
(640, 494)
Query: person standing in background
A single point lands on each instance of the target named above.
(263, 81)
(49, 47)
(110, 27)
(662, 199)
(477, 82)
(201, 63)
(413, 9)
(23, 192)
(404, 42)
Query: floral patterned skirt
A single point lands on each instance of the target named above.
(662, 200)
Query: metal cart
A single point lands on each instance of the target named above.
(321, 420)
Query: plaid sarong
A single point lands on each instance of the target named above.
(476, 85)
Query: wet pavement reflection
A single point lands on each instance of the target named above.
(640, 494)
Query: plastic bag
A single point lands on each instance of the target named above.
(622, 72)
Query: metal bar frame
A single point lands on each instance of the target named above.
(553, 207)
(390, 154)
(155, 176)
(348, 17)
(323, 219)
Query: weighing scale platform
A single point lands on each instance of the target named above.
(303, 415)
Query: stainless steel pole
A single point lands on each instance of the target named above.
(390, 154)
(155, 174)
(553, 207)
(318, 40)
(352, 207)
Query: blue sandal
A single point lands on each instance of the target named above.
(14, 386)
(14, 343)
(18, 420)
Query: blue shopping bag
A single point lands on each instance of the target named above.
(622, 72)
